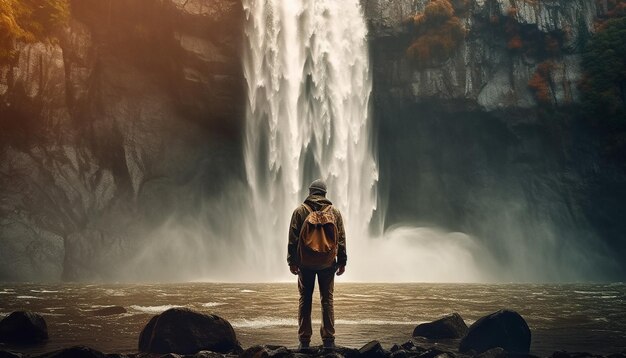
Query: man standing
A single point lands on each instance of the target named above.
(317, 247)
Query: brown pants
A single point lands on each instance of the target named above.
(306, 284)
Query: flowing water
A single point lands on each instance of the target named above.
(584, 317)
(308, 74)
(307, 69)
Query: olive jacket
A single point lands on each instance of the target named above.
(316, 202)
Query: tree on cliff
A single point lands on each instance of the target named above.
(604, 85)
(29, 21)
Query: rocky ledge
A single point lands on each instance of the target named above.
(180, 332)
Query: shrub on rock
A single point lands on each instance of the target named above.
(450, 326)
(23, 327)
(505, 329)
(183, 331)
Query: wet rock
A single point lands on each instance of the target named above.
(208, 354)
(278, 352)
(75, 352)
(450, 326)
(563, 354)
(7, 354)
(401, 353)
(434, 352)
(23, 327)
(183, 331)
(372, 349)
(492, 353)
(505, 329)
(255, 352)
(347, 352)
(109, 311)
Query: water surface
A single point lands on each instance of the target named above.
(576, 317)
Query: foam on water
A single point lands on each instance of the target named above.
(153, 309)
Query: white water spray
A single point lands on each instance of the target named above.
(307, 68)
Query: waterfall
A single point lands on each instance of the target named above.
(307, 69)
(309, 83)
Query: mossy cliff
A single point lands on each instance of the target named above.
(494, 115)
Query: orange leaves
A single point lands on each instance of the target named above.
(515, 43)
(28, 20)
(540, 82)
(439, 32)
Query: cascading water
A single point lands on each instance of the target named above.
(309, 85)
(307, 69)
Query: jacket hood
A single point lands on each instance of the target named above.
(317, 202)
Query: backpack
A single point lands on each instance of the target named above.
(317, 245)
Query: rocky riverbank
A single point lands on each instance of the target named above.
(180, 332)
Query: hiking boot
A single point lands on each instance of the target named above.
(303, 345)
(329, 344)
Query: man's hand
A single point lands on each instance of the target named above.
(341, 270)
(294, 269)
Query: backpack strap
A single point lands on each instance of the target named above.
(327, 208)
(307, 207)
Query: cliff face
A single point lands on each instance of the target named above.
(130, 116)
(133, 119)
(483, 151)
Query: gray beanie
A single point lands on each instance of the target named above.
(317, 185)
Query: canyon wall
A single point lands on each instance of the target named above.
(467, 143)
(133, 113)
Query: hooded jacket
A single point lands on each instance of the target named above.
(316, 202)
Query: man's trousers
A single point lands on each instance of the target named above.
(306, 284)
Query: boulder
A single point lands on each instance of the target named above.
(450, 326)
(7, 354)
(183, 331)
(109, 311)
(23, 327)
(255, 352)
(372, 349)
(75, 352)
(505, 329)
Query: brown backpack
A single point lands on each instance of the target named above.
(317, 245)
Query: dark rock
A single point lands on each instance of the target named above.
(23, 327)
(109, 311)
(450, 326)
(347, 352)
(372, 349)
(563, 354)
(255, 352)
(278, 352)
(183, 331)
(497, 352)
(395, 348)
(171, 355)
(409, 345)
(333, 355)
(75, 352)
(434, 352)
(401, 353)
(7, 354)
(505, 329)
(208, 354)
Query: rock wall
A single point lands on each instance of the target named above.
(465, 145)
(132, 116)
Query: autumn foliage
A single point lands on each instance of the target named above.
(29, 21)
(540, 82)
(438, 33)
(603, 86)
